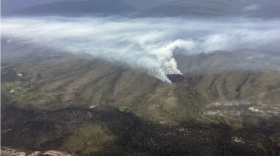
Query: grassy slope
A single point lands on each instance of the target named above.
(67, 80)
(50, 84)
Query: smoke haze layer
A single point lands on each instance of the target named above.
(144, 43)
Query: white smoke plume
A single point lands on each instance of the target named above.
(142, 43)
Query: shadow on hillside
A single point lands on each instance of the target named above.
(24, 129)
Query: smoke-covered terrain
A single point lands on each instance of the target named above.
(80, 82)
(145, 43)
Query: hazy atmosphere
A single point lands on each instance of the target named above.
(146, 43)
(146, 78)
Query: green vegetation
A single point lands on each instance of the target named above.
(17, 91)
(169, 114)
(89, 143)
(124, 133)
(123, 108)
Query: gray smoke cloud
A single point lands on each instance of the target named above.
(143, 43)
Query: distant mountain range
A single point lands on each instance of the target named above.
(213, 8)
(116, 7)
(9, 6)
(227, 103)
(155, 8)
(74, 7)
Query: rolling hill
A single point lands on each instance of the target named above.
(227, 103)
(85, 105)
